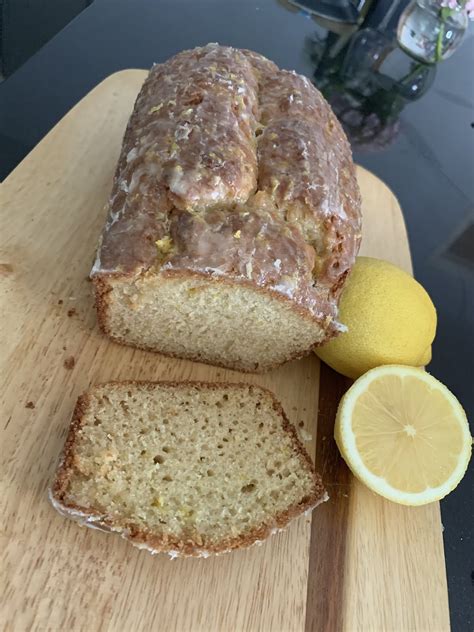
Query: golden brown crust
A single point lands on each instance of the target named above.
(164, 543)
(66, 464)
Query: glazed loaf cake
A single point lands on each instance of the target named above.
(184, 469)
(234, 216)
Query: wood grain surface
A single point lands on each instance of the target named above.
(361, 563)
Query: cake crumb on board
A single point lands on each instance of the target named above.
(69, 362)
(6, 269)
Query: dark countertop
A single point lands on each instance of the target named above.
(429, 165)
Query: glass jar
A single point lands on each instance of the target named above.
(426, 33)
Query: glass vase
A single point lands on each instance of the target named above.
(429, 35)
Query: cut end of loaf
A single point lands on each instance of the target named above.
(207, 320)
(185, 469)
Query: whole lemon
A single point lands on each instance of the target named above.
(390, 320)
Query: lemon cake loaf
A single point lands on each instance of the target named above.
(234, 216)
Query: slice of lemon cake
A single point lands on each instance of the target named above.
(184, 468)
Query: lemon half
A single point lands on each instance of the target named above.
(403, 434)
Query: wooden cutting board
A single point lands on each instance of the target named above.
(361, 563)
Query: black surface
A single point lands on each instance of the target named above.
(25, 26)
(429, 166)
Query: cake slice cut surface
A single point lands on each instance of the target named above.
(184, 468)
